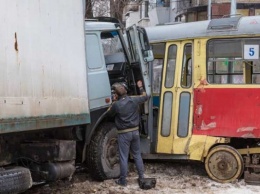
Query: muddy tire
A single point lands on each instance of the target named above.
(15, 180)
(102, 153)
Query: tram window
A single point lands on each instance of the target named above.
(224, 71)
(157, 74)
(170, 67)
(184, 112)
(256, 72)
(226, 65)
(159, 52)
(167, 114)
(186, 67)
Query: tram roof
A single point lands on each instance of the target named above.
(238, 25)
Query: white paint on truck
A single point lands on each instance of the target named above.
(42, 59)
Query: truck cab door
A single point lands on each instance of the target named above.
(140, 52)
(98, 80)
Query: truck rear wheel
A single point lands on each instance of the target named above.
(102, 153)
(224, 164)
(15, 180)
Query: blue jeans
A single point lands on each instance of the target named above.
(130, 141)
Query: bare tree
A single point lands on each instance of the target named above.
(117, 8)
(88, 9)
(111, 8)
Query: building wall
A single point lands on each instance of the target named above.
(198, 9)
(205, 2)
(132, 18)
(219, 10)
(188, 11)
(159, 12)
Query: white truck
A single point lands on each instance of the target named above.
(42, 57)
(56, 73)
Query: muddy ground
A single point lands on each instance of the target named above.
(179, 178)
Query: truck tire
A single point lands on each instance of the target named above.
(15, 180)
(102, 153)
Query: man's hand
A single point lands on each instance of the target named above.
(114, 97)
(139, 84)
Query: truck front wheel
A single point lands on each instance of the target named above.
(102, 153)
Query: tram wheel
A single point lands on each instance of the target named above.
(224, 164)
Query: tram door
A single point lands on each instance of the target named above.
(175, 113)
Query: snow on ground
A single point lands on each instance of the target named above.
(172, 178)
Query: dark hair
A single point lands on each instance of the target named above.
(120, 89)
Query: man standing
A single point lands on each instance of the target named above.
(127, 116)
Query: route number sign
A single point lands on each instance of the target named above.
(251, 51)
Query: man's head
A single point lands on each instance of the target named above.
(120, 89)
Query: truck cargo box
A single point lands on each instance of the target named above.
(43, 78)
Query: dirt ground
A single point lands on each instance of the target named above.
(172, 178)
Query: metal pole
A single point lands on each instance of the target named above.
(209, 9)
(233, 7)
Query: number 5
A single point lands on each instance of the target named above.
(251, 52)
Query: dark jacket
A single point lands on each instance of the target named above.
(126, 111)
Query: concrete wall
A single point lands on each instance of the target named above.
(157, 14)
(205, 2)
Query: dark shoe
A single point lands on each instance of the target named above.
(121, 182)
(140, 181)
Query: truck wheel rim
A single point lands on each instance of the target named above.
(112, 153)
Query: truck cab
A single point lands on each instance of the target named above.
(112, 57)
